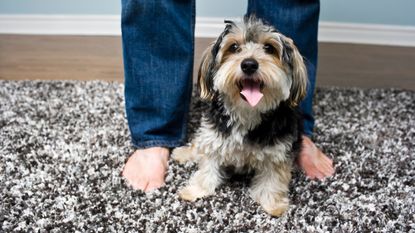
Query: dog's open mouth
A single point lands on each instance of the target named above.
(251, 91)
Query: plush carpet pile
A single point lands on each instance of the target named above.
(63, 146)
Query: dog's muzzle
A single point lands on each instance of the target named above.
(249, 85)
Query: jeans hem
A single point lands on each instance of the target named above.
(308, 133)
(157, 143)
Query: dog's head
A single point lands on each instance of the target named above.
(253, 65)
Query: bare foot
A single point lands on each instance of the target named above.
(146, 168)
(314, 162)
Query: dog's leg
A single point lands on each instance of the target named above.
(203, 182)
(270, 187)
(186, 154)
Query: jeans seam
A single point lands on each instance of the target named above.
(189, 97)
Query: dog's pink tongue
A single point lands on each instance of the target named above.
(252, 92)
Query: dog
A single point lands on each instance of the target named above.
(252, 79)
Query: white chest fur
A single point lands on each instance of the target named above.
(235, 150)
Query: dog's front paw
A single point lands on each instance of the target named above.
(183, 154)
(277, 208)
(192, 192)
(274, 203)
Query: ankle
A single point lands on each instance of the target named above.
(155, 152)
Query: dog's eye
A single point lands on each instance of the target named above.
(234, 48)
(269, 49)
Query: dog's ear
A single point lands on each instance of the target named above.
(205, 74)
(208, 66)
(292, 57)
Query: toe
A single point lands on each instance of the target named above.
(154, 185)
(139, 184)
(326, 159)
(326, 168)
(320, 176)
(314, 174)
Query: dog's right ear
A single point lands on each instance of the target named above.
(205, 74)
(208, 66)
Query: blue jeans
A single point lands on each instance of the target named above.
(158, 46)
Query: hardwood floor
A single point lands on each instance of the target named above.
(60, 57)
(91, 58)
(366, 66)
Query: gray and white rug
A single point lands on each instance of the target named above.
(63, 146)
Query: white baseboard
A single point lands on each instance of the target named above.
(367, 34)
(60, 24)
(205, 27)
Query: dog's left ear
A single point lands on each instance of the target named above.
(292, 57)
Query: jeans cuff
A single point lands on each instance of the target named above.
(157, 143)
(308, 133)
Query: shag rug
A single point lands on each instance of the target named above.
(63, 145)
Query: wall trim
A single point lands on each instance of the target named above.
(377, 34)
(205, 27)
(60, 24)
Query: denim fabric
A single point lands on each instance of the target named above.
(297, 19)
(158, 45)
(158, 38)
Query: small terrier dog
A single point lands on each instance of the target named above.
(252, 79)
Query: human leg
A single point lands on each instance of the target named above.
(298, 19)
(158, 60)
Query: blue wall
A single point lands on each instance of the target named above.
(60, 6)
(395, 12)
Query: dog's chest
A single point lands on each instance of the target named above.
(234, 149)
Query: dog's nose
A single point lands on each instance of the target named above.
(249, 66)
